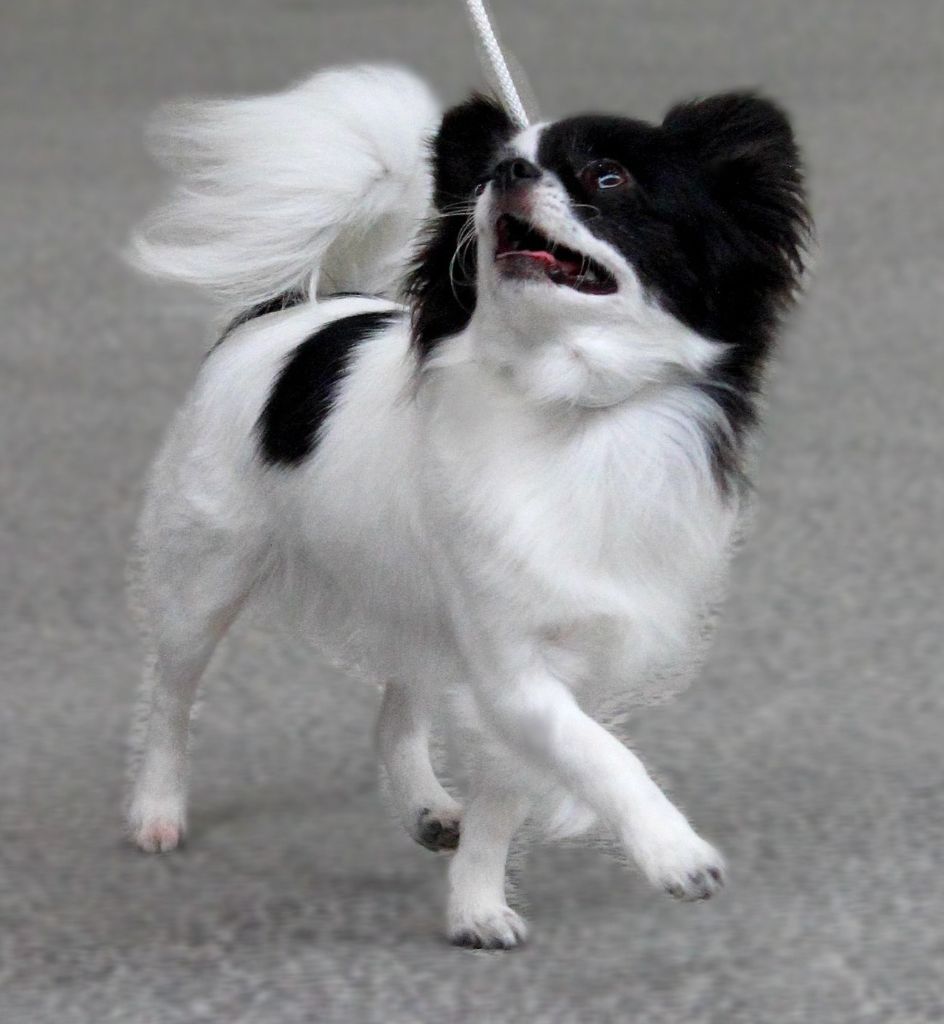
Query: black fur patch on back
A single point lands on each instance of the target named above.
(302, 394)
(441, 286)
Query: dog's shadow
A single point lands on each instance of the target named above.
(272, 869)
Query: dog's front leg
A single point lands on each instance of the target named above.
(478, 913)
(538, 717)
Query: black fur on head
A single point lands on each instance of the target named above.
(748, 239)
(714, 223)
(746, 242)
(441, 285)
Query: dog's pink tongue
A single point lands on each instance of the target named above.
(570, 267)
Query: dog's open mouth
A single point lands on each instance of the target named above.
(525, 252)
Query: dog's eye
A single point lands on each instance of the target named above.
(602, 175)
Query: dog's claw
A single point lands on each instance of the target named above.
(500, 928)
(698, 885)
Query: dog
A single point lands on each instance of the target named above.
(478, 427)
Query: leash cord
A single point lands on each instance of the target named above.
(491, 49)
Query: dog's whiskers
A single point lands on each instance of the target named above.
(595, 210)
(466, 237)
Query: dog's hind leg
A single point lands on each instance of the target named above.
(428, 812)
(196, 581)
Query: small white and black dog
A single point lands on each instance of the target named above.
(507, 499)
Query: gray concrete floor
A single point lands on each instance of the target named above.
(810, 749)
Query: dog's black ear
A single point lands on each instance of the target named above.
(750, 163)
(466, 146)
(441, 285)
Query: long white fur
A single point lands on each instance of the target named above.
(527, 522)
(284, 192)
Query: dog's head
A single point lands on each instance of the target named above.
(604, 253)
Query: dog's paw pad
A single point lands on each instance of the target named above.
(437, 830)
(159, 835)
(497, 928)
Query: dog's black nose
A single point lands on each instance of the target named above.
(515, 171)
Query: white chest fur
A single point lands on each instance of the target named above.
(599, 533)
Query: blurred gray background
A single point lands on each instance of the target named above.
(811, 748)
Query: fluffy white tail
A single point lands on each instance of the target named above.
(317, 189)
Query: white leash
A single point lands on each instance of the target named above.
(478, 15)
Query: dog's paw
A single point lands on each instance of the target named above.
(156, 825)
(437, 829)
(497, 927)
(158, 835)
(701, 883)
(684, 865)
